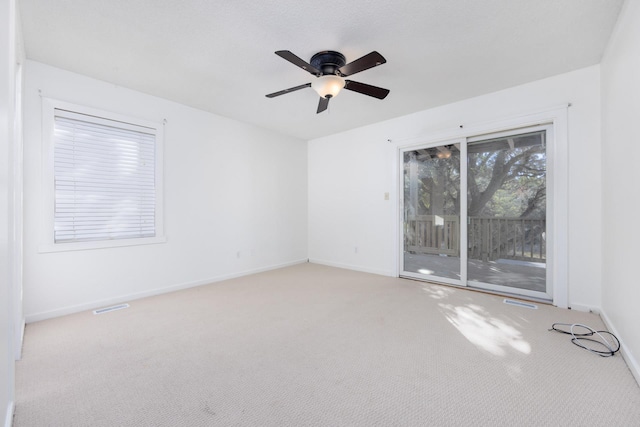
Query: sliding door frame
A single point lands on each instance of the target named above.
(557, 165)
(550, 200)
(463, 206)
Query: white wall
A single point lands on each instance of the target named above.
(8, 41)
(621, 175)
(235, 201)
(350, 172)
(17, 213)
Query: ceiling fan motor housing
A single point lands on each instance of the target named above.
(328, 62)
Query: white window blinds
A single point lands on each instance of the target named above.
(104, 174)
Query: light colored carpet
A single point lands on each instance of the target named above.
(312, 345)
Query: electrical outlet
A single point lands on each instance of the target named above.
(386, 196)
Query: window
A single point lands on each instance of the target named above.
(104, 176)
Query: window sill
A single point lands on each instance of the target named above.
(103, 244)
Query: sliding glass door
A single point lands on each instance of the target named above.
(475, 213)
(432, 213)
(507, 212)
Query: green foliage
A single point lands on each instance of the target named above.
(506, 178)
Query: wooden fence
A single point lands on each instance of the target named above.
(489, 239)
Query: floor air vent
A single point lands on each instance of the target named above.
(112, 308)
(520, 304)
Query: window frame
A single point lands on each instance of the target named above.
(48, 243)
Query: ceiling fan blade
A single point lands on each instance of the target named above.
(375, 91)
(370, 60)
(322, 105)
(291, 89)
(285, 54)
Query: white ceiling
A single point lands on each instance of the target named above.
(219, 56)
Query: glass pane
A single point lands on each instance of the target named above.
(431, 211)
(507, 211)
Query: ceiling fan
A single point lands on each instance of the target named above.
(329, 68)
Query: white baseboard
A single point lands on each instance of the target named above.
(585, 308)
(30, 318)
(8, 419)
(352, 267)
(632, 363)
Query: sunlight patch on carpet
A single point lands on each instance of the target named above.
(484, 331)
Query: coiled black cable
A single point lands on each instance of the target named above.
(579, 334)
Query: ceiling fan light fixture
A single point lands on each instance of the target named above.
(328, 86)
(329, 67)
(443, 152)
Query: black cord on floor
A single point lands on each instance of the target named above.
(580, 333)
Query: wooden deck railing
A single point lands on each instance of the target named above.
(507, 238)
(488, 238)
(433, 234)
